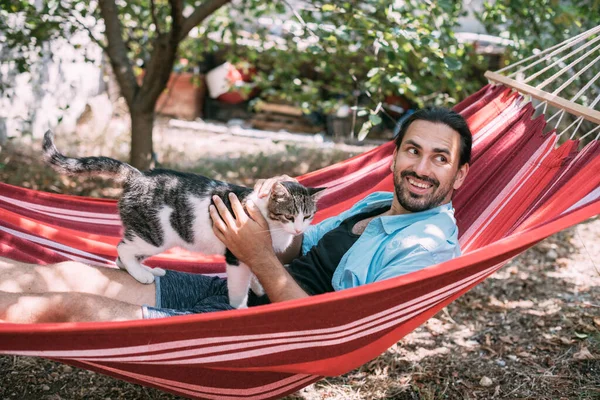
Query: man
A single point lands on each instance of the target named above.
(380, 237)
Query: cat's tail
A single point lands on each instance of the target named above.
(86, 166)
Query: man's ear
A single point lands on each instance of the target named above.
(461, 175)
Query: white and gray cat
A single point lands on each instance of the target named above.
(161, 209)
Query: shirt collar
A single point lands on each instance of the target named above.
(393, 223)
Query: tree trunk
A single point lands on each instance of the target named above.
(141, 139)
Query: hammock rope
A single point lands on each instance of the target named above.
(523, 187)
(548, 53)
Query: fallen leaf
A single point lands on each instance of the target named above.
(496, 391)
(583, 354)
(565, 340)
(597, 321)
(506, 339)
(488, 340)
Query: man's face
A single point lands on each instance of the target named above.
(425, 167)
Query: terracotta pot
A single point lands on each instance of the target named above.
(183, 97)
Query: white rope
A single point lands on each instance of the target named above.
(568, 127)
(555, 57)
(562, 114)
(586, 87)
(596, 100)
(568, 67)
(590, 132)
(561, 111)
(560, 60)
(580, 119)
(567, 43)
(577, 127)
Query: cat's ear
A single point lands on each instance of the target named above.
(316, 193)
(278, 190)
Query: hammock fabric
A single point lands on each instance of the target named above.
(521, 189)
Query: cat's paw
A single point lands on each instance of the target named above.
(143, 276)
(154, 271)
(158, 271)
(239, 304)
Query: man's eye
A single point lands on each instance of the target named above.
(412, 151)
(442, 159)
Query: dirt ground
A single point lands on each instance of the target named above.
(531, 331)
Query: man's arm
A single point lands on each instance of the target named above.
(276, 280)
(249, 239)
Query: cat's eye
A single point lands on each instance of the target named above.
(308, 217)
(289, 217)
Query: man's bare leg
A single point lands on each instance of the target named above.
(71, 276)
(64, 307)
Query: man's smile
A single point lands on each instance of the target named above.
(418, 186)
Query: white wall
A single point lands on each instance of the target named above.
(59, 79)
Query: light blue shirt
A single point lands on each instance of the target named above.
(391, 245)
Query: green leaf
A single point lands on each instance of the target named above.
(452, 64)
(362, 113)
(375, 119)
(581, 335)
(364, 130)
(328, 7)
(372, 72)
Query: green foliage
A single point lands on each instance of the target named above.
(325, 54)
(329, 53)
(24, 29)
(538, 24)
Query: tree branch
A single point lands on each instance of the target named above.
(154, 19)
(177, 15)
(200, 14)
(116, 50)
(160, 65)
(300, 19)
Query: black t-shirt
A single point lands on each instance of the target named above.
(314, 270)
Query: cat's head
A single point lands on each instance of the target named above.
(292, 206)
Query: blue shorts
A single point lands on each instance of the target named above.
(181, 293)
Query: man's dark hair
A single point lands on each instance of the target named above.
(443, 116)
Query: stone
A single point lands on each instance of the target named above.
(486, 382)
(552, 255)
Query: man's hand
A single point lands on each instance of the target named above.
(246, 236)
(263, 186)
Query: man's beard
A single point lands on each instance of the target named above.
(420, 202)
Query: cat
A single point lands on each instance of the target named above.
(162, 208)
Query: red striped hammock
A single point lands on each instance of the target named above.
(522, 188)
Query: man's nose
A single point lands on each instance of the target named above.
(422, 168)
